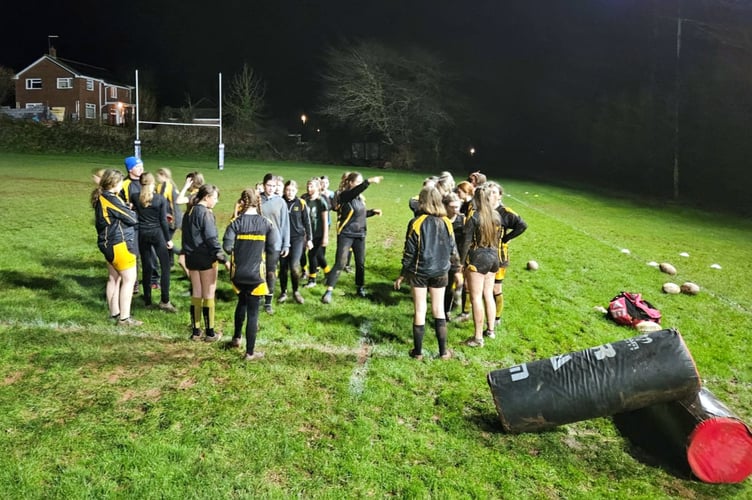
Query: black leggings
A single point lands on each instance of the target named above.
(272, 259)
(148, 241)
(291, 265)
(316, 257)
(344, 244)
(247, 309)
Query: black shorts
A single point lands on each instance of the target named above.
(199, 262)
(423, 282)
(483, 260)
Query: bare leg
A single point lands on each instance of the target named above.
(488, 298)
(208, 282)
(475, 284)
(113, 290)
(437, 303)
(419, 304)
(127, 280)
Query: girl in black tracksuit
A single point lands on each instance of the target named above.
(351, 232)
(248, 239)
(300, 241)
(318, 213)
(154, 235)
(453, 293)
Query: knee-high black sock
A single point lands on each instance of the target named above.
(418, 332)
(207, 309)
(196, 315)
(441, 334)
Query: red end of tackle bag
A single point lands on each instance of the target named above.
(699, 432)
(601, 381)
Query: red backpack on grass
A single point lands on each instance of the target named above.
(630, 309)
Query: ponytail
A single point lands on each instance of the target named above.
(147, 189)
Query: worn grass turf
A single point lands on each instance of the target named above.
(337, 408)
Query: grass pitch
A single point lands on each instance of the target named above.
(337, 408)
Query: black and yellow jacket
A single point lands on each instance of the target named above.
(513, 226)
(352, 212)
(200, 235)
(430, 249)
(471, 238)
(300, 223)
(248, 239)
(131, 190)
(171, 193)
(115, 222)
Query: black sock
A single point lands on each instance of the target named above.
(209, 330)
(418, 332)
(441, 334)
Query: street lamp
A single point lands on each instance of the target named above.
(303, 119)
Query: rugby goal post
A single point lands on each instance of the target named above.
(211, 123)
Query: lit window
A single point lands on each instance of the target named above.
(65, 83)
(91, 111)
(33, 83)
(89, 84)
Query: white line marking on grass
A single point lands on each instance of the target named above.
(358, 376)
(69, 327)
(729, 302)
(362, 351)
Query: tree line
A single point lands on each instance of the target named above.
(654, 99)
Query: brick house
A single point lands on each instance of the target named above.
(74, 91)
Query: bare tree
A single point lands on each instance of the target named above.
(397, 95)
(244, 102)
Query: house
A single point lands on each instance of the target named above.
(204, 112)
(71, 90)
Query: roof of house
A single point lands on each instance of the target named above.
(77, 69)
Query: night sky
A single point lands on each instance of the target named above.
(494, 46)
(521, 67)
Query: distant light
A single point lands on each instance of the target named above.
(318, 130)
(303, 118)
(472, 151)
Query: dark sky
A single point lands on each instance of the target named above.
(180, 46)
(506, 54)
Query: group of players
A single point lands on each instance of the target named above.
(456, 241)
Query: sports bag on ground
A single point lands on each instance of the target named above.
(630, 309)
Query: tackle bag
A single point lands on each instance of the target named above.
(597, 382)
(631, 309)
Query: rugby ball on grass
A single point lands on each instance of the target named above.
(690, 288)
(667, 268)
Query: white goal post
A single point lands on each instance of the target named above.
(218, 124)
